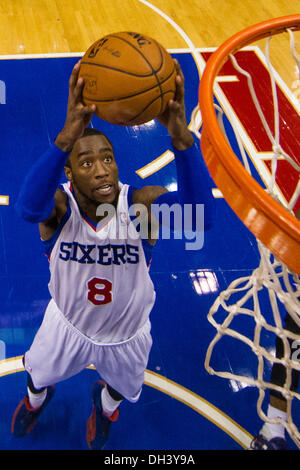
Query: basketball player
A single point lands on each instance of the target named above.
(101, 291)
(272, 436)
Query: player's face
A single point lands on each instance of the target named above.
(94, 171)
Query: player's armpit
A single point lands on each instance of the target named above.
(48, 227)
(143, 199)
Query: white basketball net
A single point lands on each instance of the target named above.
(245, 297)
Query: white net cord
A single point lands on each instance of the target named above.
(245, 297)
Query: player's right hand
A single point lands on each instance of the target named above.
(78, 115)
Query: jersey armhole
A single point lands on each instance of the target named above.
(130, 192)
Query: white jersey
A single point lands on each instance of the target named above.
(99, 278)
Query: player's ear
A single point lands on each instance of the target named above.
(68, 173)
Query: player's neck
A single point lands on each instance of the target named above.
(89, 207)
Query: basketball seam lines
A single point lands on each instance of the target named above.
(131, 96)
(141, 112)
(117, 70)
(145, 58)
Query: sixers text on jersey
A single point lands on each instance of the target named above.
(100, 254)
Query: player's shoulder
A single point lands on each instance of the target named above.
(60, 196)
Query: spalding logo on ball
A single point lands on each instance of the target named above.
(130, 77)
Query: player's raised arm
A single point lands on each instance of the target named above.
(174, 117)
(193, 179)
(39, 199)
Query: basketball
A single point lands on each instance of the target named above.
(130, 78)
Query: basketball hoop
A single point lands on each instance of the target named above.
(273, 224)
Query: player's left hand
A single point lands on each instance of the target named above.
(174, 117)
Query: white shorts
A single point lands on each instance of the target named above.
(59, 351)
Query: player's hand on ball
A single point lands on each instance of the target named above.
(78, 115)
(174, 117)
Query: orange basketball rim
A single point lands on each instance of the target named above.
(271, 223)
